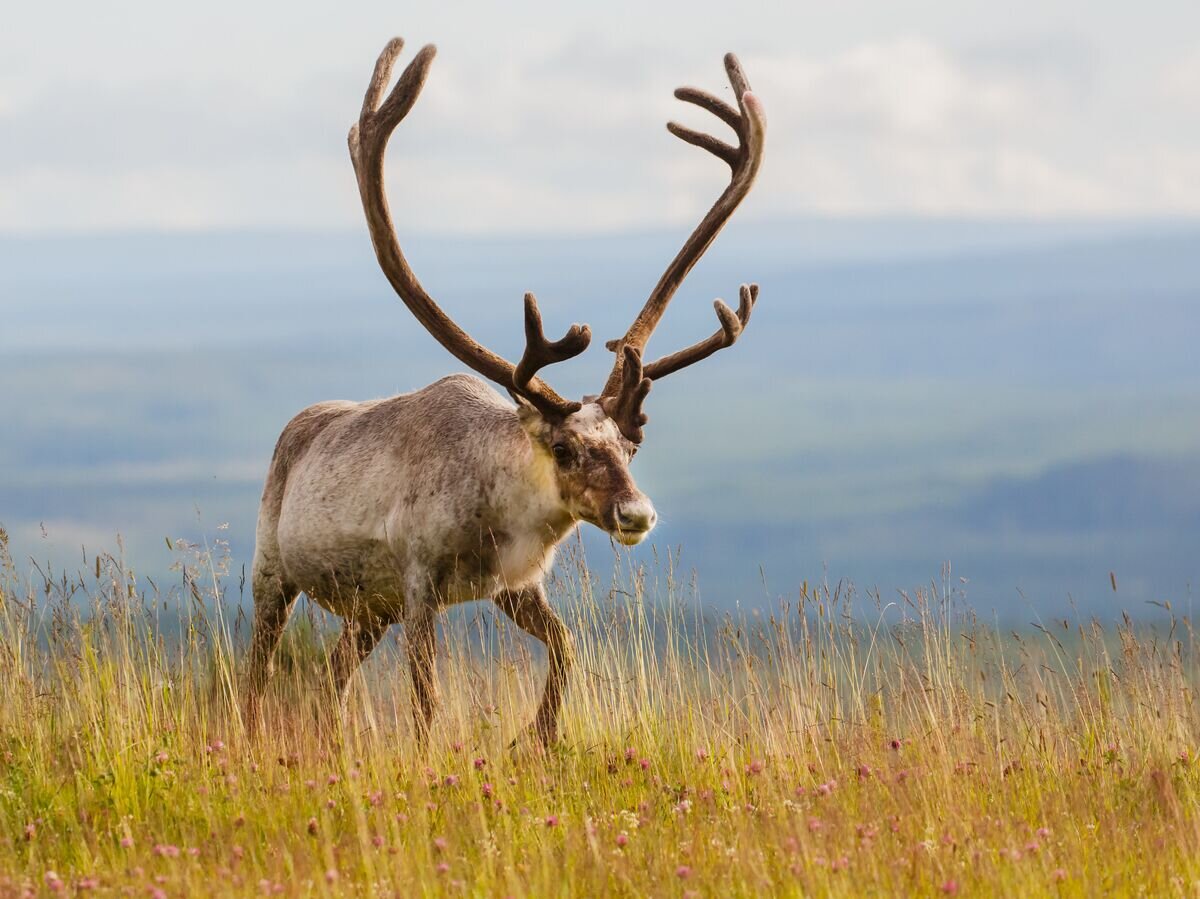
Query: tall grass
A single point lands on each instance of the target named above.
(841, 745)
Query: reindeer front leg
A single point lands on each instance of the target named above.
(531, 611)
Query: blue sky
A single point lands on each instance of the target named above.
(975, 231)
(548, 117)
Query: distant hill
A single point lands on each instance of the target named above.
(1122, 493)
(1019, 398)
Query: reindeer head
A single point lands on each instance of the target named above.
(591, 443)
(590, 459)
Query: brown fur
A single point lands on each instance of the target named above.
(387, 510)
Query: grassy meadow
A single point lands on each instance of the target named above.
(846, 744)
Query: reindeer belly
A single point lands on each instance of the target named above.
(331, 548)
(352, 579)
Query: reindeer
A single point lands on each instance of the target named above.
(388, 510)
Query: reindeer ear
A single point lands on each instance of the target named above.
(535, 422)
(525, 408)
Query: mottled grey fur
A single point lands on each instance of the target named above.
(385, 511)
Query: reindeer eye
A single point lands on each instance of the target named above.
(562, 453)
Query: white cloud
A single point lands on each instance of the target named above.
(907, 86)
(1180, 78)
(567, 135)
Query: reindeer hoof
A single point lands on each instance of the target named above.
(534, 739)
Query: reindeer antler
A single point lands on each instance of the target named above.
(625, 406)
(749, 123)
(368, 143)
(540, 352)
(732, 325)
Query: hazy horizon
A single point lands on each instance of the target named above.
(1017, 400)
(975, 231)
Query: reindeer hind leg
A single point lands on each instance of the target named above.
(359, 638)
(420, 638)
(273, 601)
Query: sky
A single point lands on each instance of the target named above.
(974, 228)
(548, 117)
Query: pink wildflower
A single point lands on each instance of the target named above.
(950, 887)
(552, 820)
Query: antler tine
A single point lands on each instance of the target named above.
(748, 121)
(737, 78)
(540, 352)
(382, 74)
(707, 142)
(368, 141)
(625, 406)
(715, 105)
(732, 324)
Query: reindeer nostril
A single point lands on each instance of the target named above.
(636, 516)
